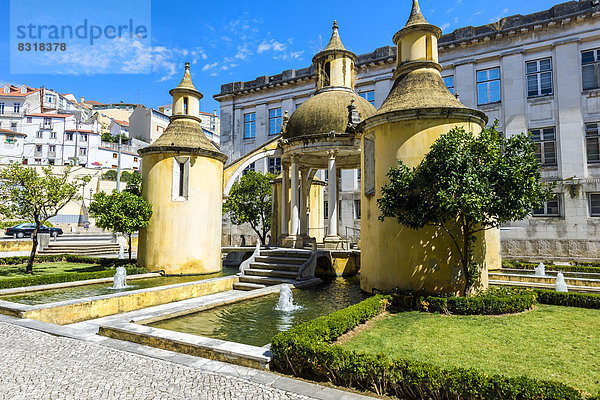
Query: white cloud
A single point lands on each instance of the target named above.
(210, 66)
(445, 26)
(272, 44)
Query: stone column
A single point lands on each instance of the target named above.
(284, 200)
(332, 197)
(294, 225)
(302, 202)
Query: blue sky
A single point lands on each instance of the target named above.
(230, 41)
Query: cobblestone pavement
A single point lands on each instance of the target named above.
(35, 365)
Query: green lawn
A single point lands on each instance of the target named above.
(11, 271)
(550, 342)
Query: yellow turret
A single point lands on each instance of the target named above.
(334, 65)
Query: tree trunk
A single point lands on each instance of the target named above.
(129, 245)
(34, 239)
(261, 237)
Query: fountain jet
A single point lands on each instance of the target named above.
(540, 270)
(120, 279)
(286, 299)
(561, 285)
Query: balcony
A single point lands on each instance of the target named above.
(11, 114)
(37, 153)
(46, 125)
(51, 154)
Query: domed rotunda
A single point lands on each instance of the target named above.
(323, 133)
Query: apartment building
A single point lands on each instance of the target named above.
(537, 73)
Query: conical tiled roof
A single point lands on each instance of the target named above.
(416, 16)
(186, 83)
(335, 43)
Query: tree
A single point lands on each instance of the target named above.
(24, 193)
(467, 184)
(134, 183)
(122, 212)
(251, 200)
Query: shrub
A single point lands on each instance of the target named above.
(491, 302)
(104, 262)
(579, 267)
(581, 300)
(35, 280)
(9, 224)
(305, 351)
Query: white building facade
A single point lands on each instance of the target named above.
(538, 73)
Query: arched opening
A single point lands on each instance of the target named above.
(429, 46)
(185, 105)
(326, 73)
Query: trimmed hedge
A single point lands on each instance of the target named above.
(579, 267)
(305, 351)
(108, 262)
(581, 300)
(35, 280)
(492, 302)
(10, 224)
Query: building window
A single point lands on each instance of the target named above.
(69, 136)
(83, 137)
(550, 208)
(29, 119)
(52, 135)
(274, 165)
(135, 159)
(82, 151)
(16, 108)
(358, 176)
(13, 125)
(274, 121)
(357, 209)
(39, 134)
(249, 125)
(592, 142)
(38, 161)
(326, 175)
(539, 77)
(1, 108)
(594, 200)
(38, 148)
(339, 210)
(590, 61)
(251, 167)
(49, 98)
(488, 86)
(10, 139)
(449, 82)
(545, 145)
(52, 148)
(326, 209)
(115, 155)
(181, 178)
(185, 105)
(369, 96)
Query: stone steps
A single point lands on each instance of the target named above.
(281, 260)
(82, 250)
(276, 273)
(264, 280)
(246, 286)
(283, 267)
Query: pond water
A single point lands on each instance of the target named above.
(100, 289)
(256, 321)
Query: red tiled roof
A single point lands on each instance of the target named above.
(123, 123)
(12, 132)
(16, 91)
(116, 151)
(82, 131)
(49, 115)
(92, 102)
(207, 113)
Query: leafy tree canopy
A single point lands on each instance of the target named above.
(122, 212)
(466, 184)
(27, 194)
(250, 201)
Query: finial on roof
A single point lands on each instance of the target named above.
(186, 82)
(416, 16)
(335, 43)
(187, 65)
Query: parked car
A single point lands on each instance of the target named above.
(26, 229)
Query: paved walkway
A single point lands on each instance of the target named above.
(35, 365)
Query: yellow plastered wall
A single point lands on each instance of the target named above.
(184, 237)
(395, 256)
